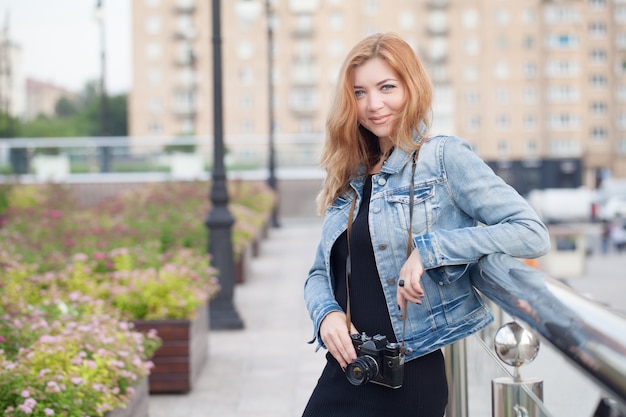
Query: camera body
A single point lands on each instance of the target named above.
(378, 361)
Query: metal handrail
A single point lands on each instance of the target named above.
(591, 336)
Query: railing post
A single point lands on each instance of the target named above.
(456, 371)
(514, 396)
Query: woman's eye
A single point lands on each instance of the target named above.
(388, 87)
(359, 93)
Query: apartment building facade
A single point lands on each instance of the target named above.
(538, 87)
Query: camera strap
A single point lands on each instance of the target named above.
(409, 248)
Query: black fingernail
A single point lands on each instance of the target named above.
(399, 308)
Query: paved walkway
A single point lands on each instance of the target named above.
(268, 369)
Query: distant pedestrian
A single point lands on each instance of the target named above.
(605, 237)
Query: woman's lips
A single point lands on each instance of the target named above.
(379, 120)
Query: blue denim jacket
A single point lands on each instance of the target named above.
(462, 211)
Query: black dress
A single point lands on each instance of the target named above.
(424, 392)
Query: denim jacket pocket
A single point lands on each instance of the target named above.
(399, 201)
(448, 274)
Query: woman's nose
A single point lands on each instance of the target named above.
(375, 102)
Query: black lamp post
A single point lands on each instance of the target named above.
(104, 151)
(220, 221)
(271, 181)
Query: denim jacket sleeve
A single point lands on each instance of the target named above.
(510, 225)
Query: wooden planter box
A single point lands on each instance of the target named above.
(138, 406)
(179, 361)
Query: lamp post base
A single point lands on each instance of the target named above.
(223, 316)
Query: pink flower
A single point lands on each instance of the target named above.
(99, 256)
(48, 411)
(25, 393)
(2, 339)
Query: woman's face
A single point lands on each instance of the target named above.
(379, 96)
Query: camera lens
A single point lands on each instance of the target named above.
(361, 370)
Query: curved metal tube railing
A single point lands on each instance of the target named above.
(590, 335)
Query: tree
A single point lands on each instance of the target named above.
(66, 107)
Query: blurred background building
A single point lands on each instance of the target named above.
(537, 87)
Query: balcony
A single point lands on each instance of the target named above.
(437, 4)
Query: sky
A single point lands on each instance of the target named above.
(60, 41)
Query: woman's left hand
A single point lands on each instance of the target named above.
(409, 282)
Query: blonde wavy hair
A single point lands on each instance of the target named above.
(349, 147)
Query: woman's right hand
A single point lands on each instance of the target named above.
(337, 339)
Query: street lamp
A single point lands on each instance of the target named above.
(105, 151)
(250, 11)
(271, 181)
(223, 315)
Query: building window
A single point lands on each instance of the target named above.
(563, 121)
(561, 14)
(598, 108)
(471, 97)
(473, 123)
(620, 15)
(153, 25)
(562, 41)
(597, 56)
(471, 73)
(502, 17)
(599, 134)
(245, 50)
(597, 29)
(529, 16)
(305, 125)
(471, 18)
(503, 122)
(531, 148)
(304, 99)
(246, 76)
(564, 147)
(503, 148)
(502, 43)
(336, 20)
(597, 4)
(372, 7)
(620, 40)
(246, 126)
(154, 76)
(530, 94)
(336, 48)
(246, 102)
(155, 128)
(153, 3)
(621, 121)
(598, 81)
(501, 70)
(529, 42)
(562, 68)
(621, 146)
(155, 106)
(153, 51)
(530, 70)
(530, 122)
(503, 95)
(186, 126)
(472, 46)
(406, 20)
(563, 94)
(620, 93)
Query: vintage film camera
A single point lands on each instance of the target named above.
(378, 361)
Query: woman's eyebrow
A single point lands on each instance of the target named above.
(386, 80)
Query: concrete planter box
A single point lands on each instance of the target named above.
(138, 406)
(51, 167)
(178, 362)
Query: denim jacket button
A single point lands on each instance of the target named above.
(391, 281)
(441, 283)
(382, 181)
(382, 246)
(376, 209)
(408, 351)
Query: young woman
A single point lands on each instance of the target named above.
(420, 210)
